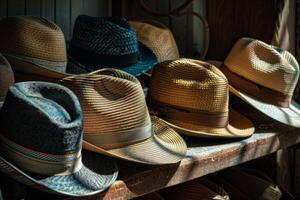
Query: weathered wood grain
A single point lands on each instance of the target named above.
(3, 8)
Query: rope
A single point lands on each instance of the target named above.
(280, 17)
(180, 11)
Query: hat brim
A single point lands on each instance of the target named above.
(238, 127)
(82, 183)
(289, 116)
(146, 61)
(30, 68)
(164, 147)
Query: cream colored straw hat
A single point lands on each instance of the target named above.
(265, 77)
(117, 122)
(156, 37)
(192, 97)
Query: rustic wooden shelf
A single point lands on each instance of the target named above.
(203, 157)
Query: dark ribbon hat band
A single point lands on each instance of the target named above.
(105, 60)
(260, 92)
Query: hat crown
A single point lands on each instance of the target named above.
(112, 101)
(32, 37)
(263, 64)
(153, 35)
(104, 35)
(190, 85)
(42, 116)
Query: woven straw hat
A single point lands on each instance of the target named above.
(265, 77)
(110, 42)
(192, 97)
(153, 34)
(117, 122)
(263, 186)
(34, 47)
(6, 77)
(41, 145)
(193, 190)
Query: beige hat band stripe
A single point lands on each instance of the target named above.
(40, 166)
(114, 140)
(54, 65)
(215, 119)
(264, 94)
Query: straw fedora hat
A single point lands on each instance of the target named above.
(41, 139)
(263, 186)
(195, 190)
(6, 77)
(265, 77)
(110, 42)
(153, 34)
(117, 122)
(192, 97)
(35, 48)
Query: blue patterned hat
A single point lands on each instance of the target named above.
(100, 42)
(41, 139)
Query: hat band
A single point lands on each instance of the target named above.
(260, 92)
(59, 66)
(119, 139)
(38, 162)
(201, 118)
(93, 58)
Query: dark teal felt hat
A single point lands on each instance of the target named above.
(41, 138)
(101, 42)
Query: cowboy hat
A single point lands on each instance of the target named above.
(41, 138)
(153, 34)
(265, 77)
(117, 121)
(35, 47)
(195, 190)
(192, 97)
(110, 42)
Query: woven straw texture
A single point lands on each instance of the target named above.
(6, 77)
(40, 41)
(190, 86)
(267, 67)
(264, 64)
(113, 102)
(45, 139)
(99, 42)
(153, 35)
(194, 190)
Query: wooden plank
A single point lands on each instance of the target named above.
(47, 9)
(16, 7)
(33, 7)
(76, 9)
(203, 158)
(195, 30)
(179, 28)
(3, 8)
(63, 17)
(96, 7)
(230, 20)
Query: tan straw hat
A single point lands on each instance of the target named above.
(117, 122)
(156, 37)
(193, 190)
(265, 77)
(192, 97)
(33, 46)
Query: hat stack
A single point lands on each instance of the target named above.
(64, 137)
